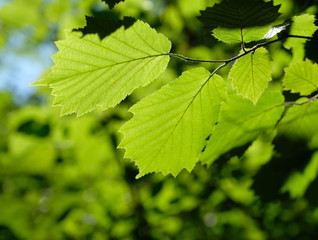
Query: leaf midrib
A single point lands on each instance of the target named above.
(108, 66)
(181, 118)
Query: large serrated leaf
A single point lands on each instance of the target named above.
(242, 122)
(236, 21)
(301, 77)
(169, 127)
(90, 72)
(251, 73)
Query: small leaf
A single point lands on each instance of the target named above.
(169, 127)
(90, 72)
(242, 122)
(112, 3)
(251, 73)
(240, 20)
(303, 25)
(301, 77)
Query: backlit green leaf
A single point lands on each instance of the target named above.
(303, 25)
(242, 122)
(251, 73)
(301, 78)
(90, 72)
(169, 127)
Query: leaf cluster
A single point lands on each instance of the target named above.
(201, 115)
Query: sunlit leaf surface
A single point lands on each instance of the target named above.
(169, 127)
(301, 77)
(90, 72)
(251, 73)
(303, 25)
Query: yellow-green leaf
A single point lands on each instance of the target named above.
(90, 72)
(169, 127)
(251, 73)
(301, 77)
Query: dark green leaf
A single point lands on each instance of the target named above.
(104, 26)
(112, 3)
(240, 14)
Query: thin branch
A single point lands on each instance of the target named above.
(218, 68)
(253, 49)
(187, 59)
(242, 54)
(310, 100)
(298, 36)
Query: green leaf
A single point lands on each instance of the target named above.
(239, 14)
(251, 73)
(90, 72)
(303, 25)
(242, 122)
(169, 127)
(112, 3)
(240, 35)
(300, 121)
(240, 20)
(301, 77)
(297, 183)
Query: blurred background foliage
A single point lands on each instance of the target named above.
(63, 178)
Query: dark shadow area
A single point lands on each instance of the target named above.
(312, 48)
(112, 3)
(290, 156)
(302, 5)
(225, 157)
(239, 14)
(105, 24)
(6, 233)
(32, 127)
(312, 194)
